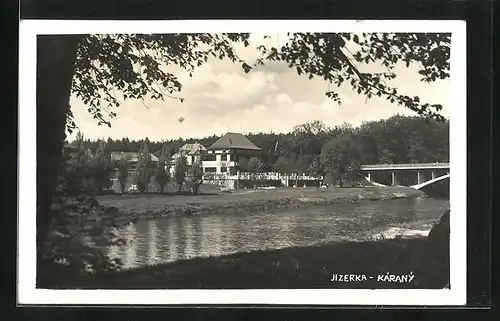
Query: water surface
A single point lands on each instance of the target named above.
(174, 238)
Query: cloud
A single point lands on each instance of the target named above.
(211, 96)
(221, 97)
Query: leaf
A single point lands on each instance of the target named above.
(246, 67)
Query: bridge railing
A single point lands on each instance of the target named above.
(411, 165)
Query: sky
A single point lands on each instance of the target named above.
(221, 97)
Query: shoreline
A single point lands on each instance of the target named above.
(149, 206)
(295, 267)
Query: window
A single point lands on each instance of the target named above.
(208, 158)
(223, 157)
(210, 169)
(223, 169)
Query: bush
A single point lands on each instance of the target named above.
(81, 228)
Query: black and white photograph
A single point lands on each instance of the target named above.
(242, 162)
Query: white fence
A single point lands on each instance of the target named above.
(261, 176)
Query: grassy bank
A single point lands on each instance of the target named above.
(244, 201)
(309, 267)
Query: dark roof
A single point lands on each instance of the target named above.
(233, 141)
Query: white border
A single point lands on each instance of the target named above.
(27, 294)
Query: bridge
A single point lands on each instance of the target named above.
(432, 181)
(416, 175)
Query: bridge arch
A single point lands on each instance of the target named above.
(432, 181)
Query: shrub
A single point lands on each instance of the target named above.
(81, 229)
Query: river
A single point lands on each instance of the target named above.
(174, 238)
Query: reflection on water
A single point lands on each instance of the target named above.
(170, 239)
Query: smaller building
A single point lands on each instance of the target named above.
(131, 157)
(192, 153)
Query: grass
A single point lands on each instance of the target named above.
(244, 201)
(309, 267)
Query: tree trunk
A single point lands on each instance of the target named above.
(195, 189)
(55, 68)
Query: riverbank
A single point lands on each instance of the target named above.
(298, 268)
(246, 201)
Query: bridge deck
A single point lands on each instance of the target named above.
(375, 167)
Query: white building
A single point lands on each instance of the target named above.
(222, 156)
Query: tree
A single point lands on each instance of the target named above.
(181, 168)
(336, 58)
(95, 67)
(255, 165)
(302, 162)
(123, 167)
(76, 168)
(101, 169)
(55, 70)
(353, 164)
(144, 172)
(316, 168)
(243, 164)
(340, 156)
(308, 138)
(283, 165)
(162, 175)
(195, 177)
(332, 160)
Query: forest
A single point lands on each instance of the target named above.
(312, 146)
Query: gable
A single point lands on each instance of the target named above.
(192, 149)
(233, 141)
